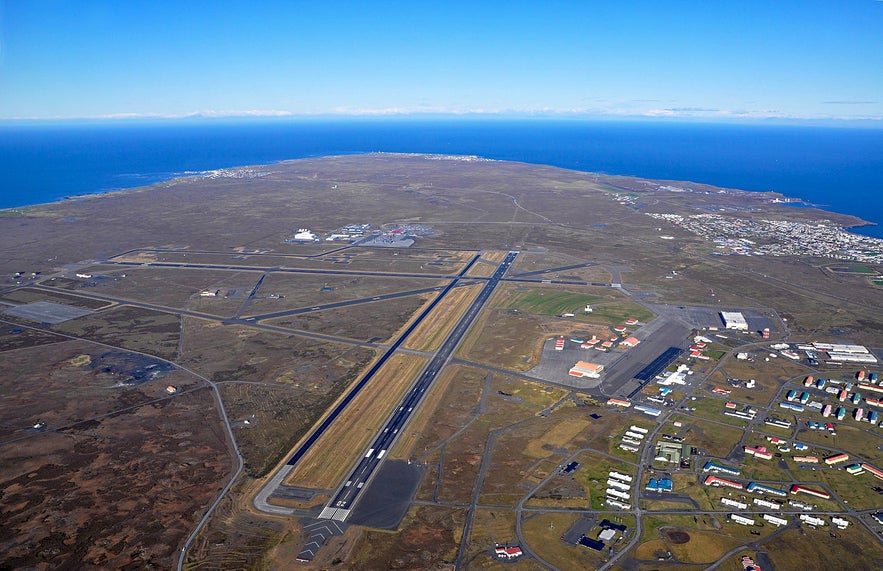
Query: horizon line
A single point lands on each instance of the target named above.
(378, 115)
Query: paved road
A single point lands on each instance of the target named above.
(338, 304)
(276, 269)
(209, 317)
(554, 270)
(344, 500)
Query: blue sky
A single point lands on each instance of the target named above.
(742, 60)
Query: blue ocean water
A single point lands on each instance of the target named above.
(839, 168)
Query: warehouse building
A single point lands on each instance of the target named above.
(586, 369)
(734, 320)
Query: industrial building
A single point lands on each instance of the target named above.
(671, 452)
(586, 369)
(662, 485)
(304, 235)
(590, 543)
(838, 348)
(648, 410)
(852, 357)
(734, 320)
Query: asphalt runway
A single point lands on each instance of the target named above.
(386, 502)
(361, 476)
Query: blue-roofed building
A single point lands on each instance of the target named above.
(712, 467)
(590, 543)
(607, 524)
(570, 468)
(661, 485)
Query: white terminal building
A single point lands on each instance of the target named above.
(734, 320)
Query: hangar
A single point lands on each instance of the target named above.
(586, 369)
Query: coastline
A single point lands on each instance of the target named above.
(855, 223)
(843, 167)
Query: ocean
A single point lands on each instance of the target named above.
(840, 169)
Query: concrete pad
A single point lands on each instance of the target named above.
(47, 312)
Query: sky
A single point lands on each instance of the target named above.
(727, 60)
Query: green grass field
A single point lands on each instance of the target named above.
(607, 309)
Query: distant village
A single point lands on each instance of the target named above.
(762, 237)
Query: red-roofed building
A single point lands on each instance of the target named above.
(803, 489)
(585, 369)
(758, 452)
(629, 342)
(716, 481)
(836, 458)
(510, 552)
(875, 471)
